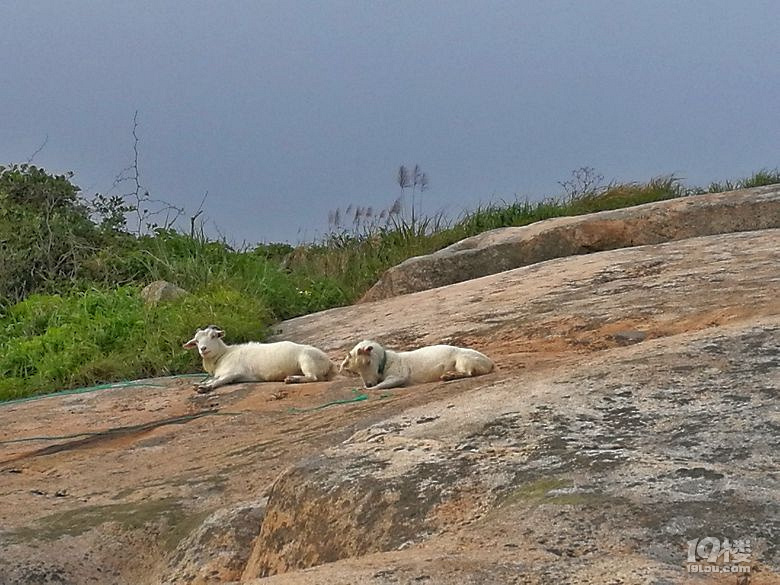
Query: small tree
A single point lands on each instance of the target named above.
(584, 182)
(149, 214)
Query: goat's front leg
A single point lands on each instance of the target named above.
(391, 382)
(217, 381)
(454, 375)
(300, 379)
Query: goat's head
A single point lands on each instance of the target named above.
(208, 341)
(365, 359)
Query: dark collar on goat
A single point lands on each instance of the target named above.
(382, 363)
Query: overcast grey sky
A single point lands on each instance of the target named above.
(285, 110)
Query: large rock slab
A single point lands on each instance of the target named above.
(633, 408)
(652, 223)
(608, 464)
(607, 467)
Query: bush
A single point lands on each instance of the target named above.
(45, 231)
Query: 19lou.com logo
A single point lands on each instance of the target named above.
(710, 555)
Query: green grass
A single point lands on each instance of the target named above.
(93, 336)
(758, 179)
(88, 325)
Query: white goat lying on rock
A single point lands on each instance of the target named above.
(257, 362)
(384, 368)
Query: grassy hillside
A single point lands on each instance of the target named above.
(70, 311)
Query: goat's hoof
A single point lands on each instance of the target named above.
(203, 389)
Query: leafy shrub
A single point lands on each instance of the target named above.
(45, 231)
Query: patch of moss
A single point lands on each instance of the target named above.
(130, 516)
(538, 492)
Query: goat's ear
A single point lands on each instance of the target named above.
(366, 350)
(217, 333)
(190, 344)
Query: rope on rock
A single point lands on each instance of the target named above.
(359, 397)
(86, 389)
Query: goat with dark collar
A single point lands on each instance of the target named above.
(382, 368)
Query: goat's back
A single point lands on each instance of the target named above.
(429, 363)
(271, 362)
